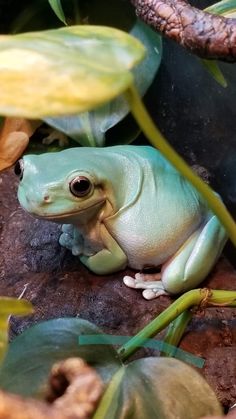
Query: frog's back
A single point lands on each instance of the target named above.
(145, 155)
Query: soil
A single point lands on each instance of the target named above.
(58, 286)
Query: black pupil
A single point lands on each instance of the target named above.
(18, 169)
(81, 185)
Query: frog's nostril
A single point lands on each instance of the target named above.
(46, 198)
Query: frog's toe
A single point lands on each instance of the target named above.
(67, 228)
(150, 294)
(139, 283)
(129, 281)
(76, 250)
(65, 240)
(56, 136)
(152, 289)
(134, 282)
(139, 277)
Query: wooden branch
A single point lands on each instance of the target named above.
(206, 35)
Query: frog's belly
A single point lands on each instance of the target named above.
(152, 244)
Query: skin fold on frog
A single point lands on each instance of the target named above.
(125, 206)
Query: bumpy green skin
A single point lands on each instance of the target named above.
(140, 212)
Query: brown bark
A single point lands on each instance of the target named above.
(209, 36)
(74, 389)
(73, 392)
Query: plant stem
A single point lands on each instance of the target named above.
(175, 331)
(110, 397)
(156, 138)
(187, 300)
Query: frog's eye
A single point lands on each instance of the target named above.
(19, 169)
(80, 186)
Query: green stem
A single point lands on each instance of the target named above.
(155, 137)
(175, 331)
(187, 300)
(110, 397)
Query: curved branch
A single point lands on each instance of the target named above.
(207, 35)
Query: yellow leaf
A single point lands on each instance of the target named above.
(65, 71)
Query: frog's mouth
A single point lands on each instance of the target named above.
(70, 215)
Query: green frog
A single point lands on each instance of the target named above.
(125, 206)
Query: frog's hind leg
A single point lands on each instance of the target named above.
(195, 259)
(189, 266)
(150, 283)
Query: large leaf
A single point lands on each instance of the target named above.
(147, 388)
(89, 129)
(10, 306)
(32, 354)
(65, 71)
(162, 388)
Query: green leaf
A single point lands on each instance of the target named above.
(215, 71)
(231, 14)
(89, 129)
(162, 388)
(226, 8)
(58, 10)
(32, 354)
(10, 306)
(65, 71)
(13, 306)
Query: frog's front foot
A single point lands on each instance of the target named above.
(71, 240)
(151, 284)
(67, 236)
(56, 135)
